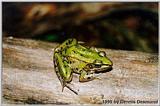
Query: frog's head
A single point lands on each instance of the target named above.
(100, 64)
(103, 59)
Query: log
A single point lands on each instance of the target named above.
(28, 76)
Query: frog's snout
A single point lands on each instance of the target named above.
(106, 66)
(110, 65)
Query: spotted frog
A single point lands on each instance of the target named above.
(72, 57)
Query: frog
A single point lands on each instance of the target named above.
(73, 57)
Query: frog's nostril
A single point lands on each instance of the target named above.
(111, 65)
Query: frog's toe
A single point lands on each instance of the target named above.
(98, 78)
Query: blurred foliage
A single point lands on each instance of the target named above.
(127, 26)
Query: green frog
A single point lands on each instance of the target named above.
(71, 57)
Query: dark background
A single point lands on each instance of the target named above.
(126, 26)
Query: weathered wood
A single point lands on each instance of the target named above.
(28, 76)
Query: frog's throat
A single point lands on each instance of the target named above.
(101, 69)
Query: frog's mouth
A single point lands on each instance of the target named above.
(97, 68)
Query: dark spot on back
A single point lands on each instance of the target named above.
(66, 43)
(88, 77)
(70, 41)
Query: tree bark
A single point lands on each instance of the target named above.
(28, 76)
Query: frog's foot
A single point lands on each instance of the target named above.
(85, 77)
(97, 78)
(66, 85)
(63, 85)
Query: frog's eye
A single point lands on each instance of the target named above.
(102, 53)
(90, 66)
(97, 62)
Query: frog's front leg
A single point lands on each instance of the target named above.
(86, 76)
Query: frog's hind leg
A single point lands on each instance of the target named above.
(62, 81)
(64, 84)
(66, 44)
(57, 73)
